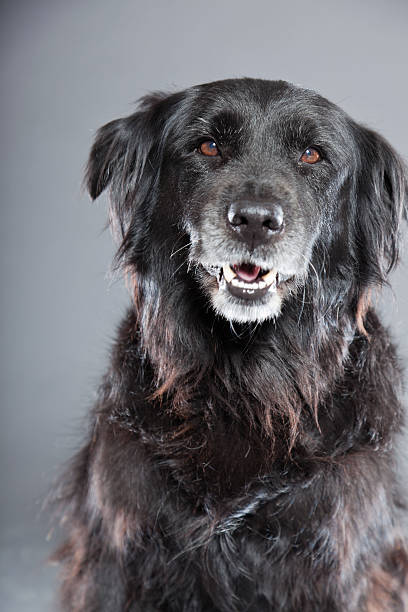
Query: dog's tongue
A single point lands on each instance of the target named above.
(247, 272)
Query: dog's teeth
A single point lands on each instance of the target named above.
(238, 283)
(268, 280)
(229, 274)
(270, 277)
(243, 285)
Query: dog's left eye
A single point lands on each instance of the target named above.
(209, 148)
(310, 156)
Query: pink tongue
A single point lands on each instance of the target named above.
(247, 272)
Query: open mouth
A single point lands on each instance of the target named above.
(247, 292)
(247, 281)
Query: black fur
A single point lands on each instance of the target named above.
(241, 455)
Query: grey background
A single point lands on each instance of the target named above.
(67, 68)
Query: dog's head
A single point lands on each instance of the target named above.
(246, 191)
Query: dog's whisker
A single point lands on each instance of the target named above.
(185, 246)
(303, 305)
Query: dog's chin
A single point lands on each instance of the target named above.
(245, 293)
(246, 311)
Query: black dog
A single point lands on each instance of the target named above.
(240, 457)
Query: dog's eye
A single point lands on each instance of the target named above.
(311, 156)
(209, 148)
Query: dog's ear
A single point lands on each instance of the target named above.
(107, 155)
(382, 201)
(125, 157)
(122, 147)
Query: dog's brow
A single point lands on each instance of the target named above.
(224, 123)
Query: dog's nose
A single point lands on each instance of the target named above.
(256, 222)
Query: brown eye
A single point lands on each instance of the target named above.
(310, 156)
(209, 148)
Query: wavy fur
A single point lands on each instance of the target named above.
(243, 466)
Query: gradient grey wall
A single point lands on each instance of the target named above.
(67, 68)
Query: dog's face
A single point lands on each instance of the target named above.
(257, 170)
(248, 182)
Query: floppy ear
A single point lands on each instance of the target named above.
(107, 155)
(125, 158)
(382, 193)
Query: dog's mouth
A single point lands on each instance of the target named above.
(248, 281)
(247, 291)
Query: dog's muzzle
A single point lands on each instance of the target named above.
(255, 223)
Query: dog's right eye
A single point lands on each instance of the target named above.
(209, 148)
(311, 156)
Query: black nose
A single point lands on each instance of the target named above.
(256, 222)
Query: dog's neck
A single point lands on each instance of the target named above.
(269, 394)
(269, 363)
